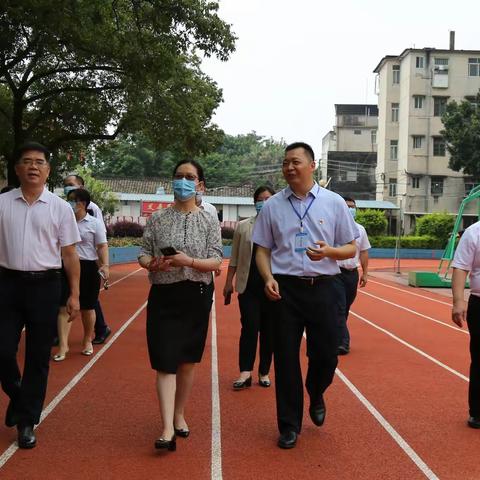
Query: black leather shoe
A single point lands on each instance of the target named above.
(182, 432)
(101, 338)
(318, 412)
(239, 385)
(162, 444)
(474, 422)
(10, 415)
(26, 437)
(287, 440)
(343, 350)
(264, 383)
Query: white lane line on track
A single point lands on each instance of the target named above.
(416, 313)
(216, 469)
(123, 278)
(388, 427)
(409, 292)
(9, 452)
(415, 349)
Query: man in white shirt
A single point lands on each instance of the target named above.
(348, 280)
(467, 259)
(37, 231)
(102, 330)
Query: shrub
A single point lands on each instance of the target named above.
(125, 242)
(374, 221)
(425, 241)
(227, 232)
(439, 225)
(109, 228)
(127, 229)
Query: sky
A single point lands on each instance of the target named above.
(295, 59)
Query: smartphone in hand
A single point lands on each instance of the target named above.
(105, 281)
(168, 251)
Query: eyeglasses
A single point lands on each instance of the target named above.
(188, 176)
(38, 162)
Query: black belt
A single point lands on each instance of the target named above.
(29, 275)
(348, 270)
(306, 280)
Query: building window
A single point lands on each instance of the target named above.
(415, 182)
(392, 187)
(470, 185)
(436, 186)
(438, 147)
(473, 101)
(393, 149)
(351, 176)
(441, 62)
(357, 132)
(418, 101)
(439, 106)
(396, 74)
(417, 141)
(395, 109)
(373, 135)
(419, 62)
(474, 67)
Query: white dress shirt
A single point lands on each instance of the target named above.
(92, 234)
(362, 244)
(31, 236)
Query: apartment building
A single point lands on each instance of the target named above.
(412, 168)
(349, 151)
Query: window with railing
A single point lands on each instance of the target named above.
(436, 186)
(439, 106)
(438, 147)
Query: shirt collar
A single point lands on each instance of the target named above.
(315, 191)
(44, 197)
(86, 218)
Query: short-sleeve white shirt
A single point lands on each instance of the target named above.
(31, 236)
(92, 234)
(209, 208)
(467, 256)
(362, 244)
(96, 212)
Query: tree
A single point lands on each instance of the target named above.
(374, 221)
(462, 136)
(87, 70)
(439, 225)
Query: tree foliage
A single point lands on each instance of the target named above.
(374, 221)
(86, 70)
(439, 225)
(462, 135)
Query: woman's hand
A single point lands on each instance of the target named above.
(179, 260)
(159, 264)
(105, 272)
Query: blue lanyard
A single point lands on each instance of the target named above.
(304, 215)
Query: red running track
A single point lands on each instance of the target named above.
(397, 408)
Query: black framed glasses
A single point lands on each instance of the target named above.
(188, 176)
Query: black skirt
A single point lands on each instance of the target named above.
(177, 323)
(89, 285)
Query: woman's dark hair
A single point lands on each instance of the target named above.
(198, 167)
(80, 195)
(261, 189)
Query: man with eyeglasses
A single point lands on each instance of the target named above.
(37, 230)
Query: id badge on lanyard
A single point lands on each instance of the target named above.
(301, 238)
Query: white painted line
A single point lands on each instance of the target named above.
(388, 427)
(123, 278)
(409, 292)
(216, 422)
(416, 313)
(415, 349)
(7, 454)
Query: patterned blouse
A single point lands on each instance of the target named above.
(195, 233)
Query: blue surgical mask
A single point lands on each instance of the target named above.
(184, 189)
(353, 211)
(73, 204)
(67, 190)
(259, 206)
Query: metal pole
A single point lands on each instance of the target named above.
(397, 243)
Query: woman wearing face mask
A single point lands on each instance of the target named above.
(180, 297)
(93, 253)
(253, 304)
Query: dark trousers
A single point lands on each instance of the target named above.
(473, 320)
(255, 319)
(309, 307)
(346, 286)
(33, 304)
(100, 325)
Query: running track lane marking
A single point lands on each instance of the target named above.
(415, 349)
(416, 313)
(388, 427)
(123, 278)
(409, 292)
(10, 451)
(216, 469)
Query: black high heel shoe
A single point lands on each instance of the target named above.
(170, 445)
(240, 385)
(264, 383)
(182, 432)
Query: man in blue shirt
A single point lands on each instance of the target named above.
(301, 233)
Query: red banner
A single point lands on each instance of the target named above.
(149, 207)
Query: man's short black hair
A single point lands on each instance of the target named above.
(303, 145)
(35, 146)
(78, 178)
(350, 199)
